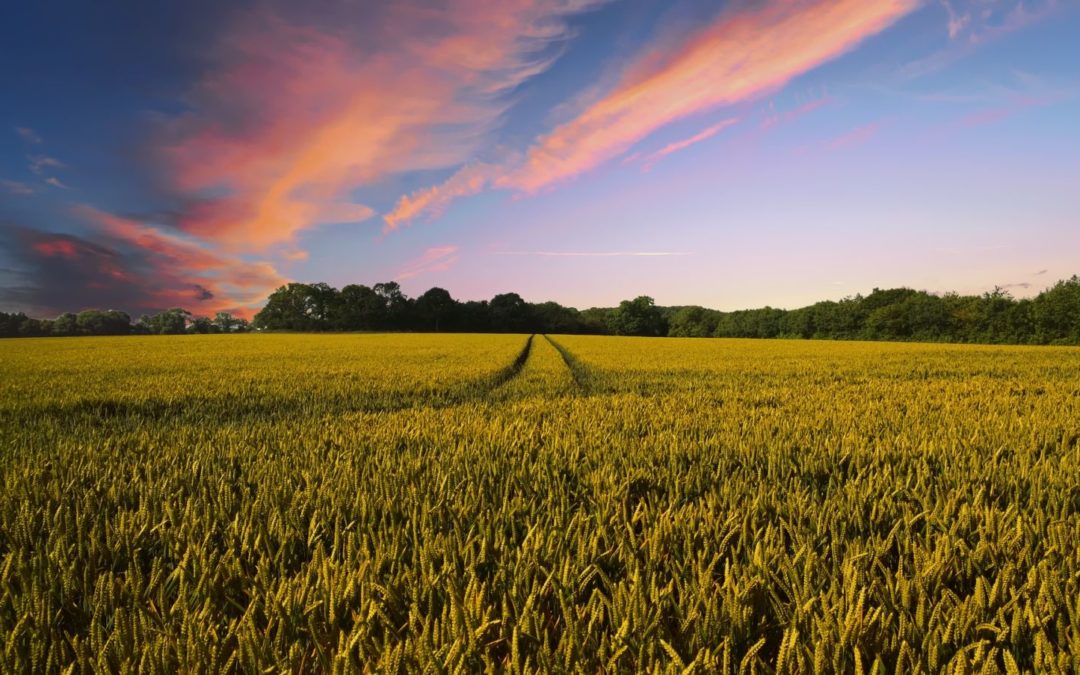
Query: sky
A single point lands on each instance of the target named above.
(731, 154)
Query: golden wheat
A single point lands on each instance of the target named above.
(574, 504)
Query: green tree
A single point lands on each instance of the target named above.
(1056, 312)
(639, 316)
(510, 314)
(434, 308)
(201, 325)
(66, 324)
(97, 322)
(170, 322)
(224, 322)
(693, 322)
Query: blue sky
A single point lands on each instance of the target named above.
(730, 154)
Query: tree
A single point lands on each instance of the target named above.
(510, 314)
(66, 324)
(434, 307)
(294, 306)
(395, 304)
(551, 317)
(225, 322)
(1056, 312)
(97, 322)
(594, 320)
(170, 322)
(360, 308)
(201, 325)
(693, 322)
(639, 316)
(474, 316)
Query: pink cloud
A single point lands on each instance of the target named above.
(596, 254)
(469, 180)
(742, 55)
(687, 142)
(63, 248)
(293, 118)
(435, 259)
(295, 255)
(188, 270)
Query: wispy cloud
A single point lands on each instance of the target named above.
(56, 183)
(974, 23)
(40, 163)
(676, 146)
(435, 259)
(596, 254)
(789, 116)
(294, 117)
(743, 54)
(16, 187)
(295, 255)
(469, 180)
(28, 135)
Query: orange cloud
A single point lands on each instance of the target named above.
(435, 259)
(743, 55)
(687, 142)
(56, 247)
(186, 272)
(469, 180)
(294, 118)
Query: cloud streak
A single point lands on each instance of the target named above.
(597, 254)
(435, 259)
(16, 187)
(742, 55)
(745, 53)
(295, 117)
(471, 179)
(671, 148)
(39, 164)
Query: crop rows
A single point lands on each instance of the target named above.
(572, 504)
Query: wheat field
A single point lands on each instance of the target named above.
(512, 503)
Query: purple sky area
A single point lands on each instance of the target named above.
(729, 154)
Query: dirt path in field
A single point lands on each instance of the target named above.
(577, 370)
(514, 369)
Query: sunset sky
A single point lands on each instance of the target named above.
(730, 154)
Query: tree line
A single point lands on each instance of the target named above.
(174, 321)
(1051, 317)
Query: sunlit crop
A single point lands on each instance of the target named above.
(574, 504)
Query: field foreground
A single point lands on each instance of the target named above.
(584, 504)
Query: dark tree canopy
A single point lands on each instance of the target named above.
(1051, 317)
(639, 316)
